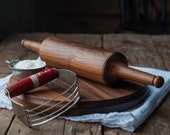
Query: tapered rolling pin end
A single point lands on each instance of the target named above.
(32, 45)
(22, 42)
(158, 81)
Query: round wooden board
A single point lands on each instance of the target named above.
(95, 98)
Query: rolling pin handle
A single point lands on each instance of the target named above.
(132, 74)
(158, 81)
(31, 82)
(33, 45)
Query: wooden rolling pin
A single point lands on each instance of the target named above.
(92, 63)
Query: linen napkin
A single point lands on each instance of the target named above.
(4, 100)
(128, 120)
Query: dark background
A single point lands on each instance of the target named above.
(84, 16)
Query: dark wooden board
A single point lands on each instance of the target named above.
(94, 97)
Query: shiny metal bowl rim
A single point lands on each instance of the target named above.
(11, 64)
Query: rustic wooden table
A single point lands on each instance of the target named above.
(141, 50)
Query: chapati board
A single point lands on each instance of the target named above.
(94, 97)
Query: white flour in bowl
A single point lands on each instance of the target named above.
(29, 64)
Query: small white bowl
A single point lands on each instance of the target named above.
(20, 72)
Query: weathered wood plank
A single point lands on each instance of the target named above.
(140, 50)
(6, 118)
(51, 128)
(88, 129)
(162, 45)
(74, 128)
(90, 39)
(17, 37)
(108, 131)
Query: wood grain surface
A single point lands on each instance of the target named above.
(140, 50)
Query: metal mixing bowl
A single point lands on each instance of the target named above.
(22, 73)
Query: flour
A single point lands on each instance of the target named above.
(29, 64)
